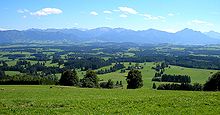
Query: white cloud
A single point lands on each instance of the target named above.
(171, 14)
(127, 10)
(46, 11)
(94, 13)
(123, 16)
(23, 11)
(151, 17)
(107, 12)
(3, 29)
(24, 16)
(200, 23)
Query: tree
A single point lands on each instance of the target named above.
(134, 79)
(2, 74)
(154, 86)
(121, 84)
(90, 80)
(69, 78)
(109, 84)
(213, 84)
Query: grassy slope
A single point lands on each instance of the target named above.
(70, 100)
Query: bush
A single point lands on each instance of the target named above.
(109, 84)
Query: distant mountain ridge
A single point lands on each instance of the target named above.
(213, 34)
(105, 34)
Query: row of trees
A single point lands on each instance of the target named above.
(176, 78)
(182, 86)
(28, 80)
(116, 67)
(213, 84)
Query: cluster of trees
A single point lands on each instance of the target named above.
(28, 80)
(160, 68)
(39, 57)
(110, 84)
(136, 66)
(38, 69)
(70, 78)
(57, 59)
(116, 67)
(86, 63)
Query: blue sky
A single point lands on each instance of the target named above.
(167, 15)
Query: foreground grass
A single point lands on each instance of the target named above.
(70, 100)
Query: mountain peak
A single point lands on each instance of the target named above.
(103, 29)
(187, 29)
(213, 34)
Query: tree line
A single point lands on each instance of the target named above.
(171, 78)
(212, 84)
(114, 68)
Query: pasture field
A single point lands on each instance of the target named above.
(71, 100)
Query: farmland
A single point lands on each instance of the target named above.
(50, 61)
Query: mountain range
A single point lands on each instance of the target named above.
(105, 34)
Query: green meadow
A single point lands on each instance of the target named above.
(71, 100)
